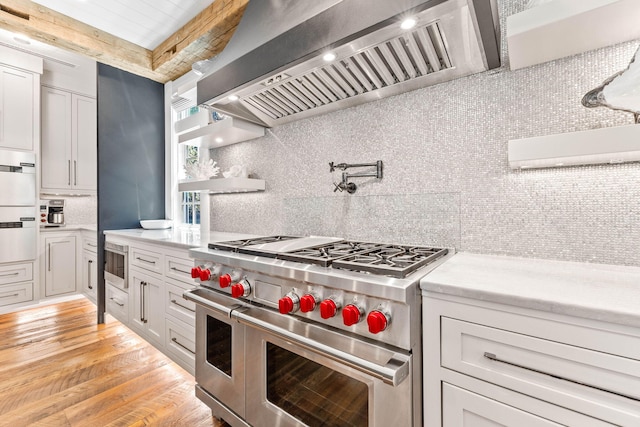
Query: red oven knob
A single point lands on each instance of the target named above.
(328, 308)
(307, 303)
(289, 303)
(195, 272)
(208, 273)
(205, 274)
(350, 314)
(224, 280)
(377, 321)
(240, 289)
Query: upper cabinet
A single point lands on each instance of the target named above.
(17, 108)
(69, 142)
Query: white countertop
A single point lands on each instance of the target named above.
(183, 238)
(609, 293)
(70, 227)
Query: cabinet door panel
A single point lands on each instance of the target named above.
(60, 265)
(56, 139)
(84, 142)
(89, 274)
(17, 109)
(147, 306)
(463, 408)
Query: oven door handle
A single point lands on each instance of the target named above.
(393, 372)
(208, 303)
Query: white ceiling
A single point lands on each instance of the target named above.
(146, 23)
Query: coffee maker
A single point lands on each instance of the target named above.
(52, 213)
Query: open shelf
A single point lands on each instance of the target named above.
(224, 132)
(223, 185)
(563, 28)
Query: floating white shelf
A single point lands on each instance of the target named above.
(223, 185)
(620, 144)
(224, 132)
(194, 121)
(563, 28)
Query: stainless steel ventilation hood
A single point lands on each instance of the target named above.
(274, 62)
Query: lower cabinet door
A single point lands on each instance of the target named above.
(147, 306)
(117, 302)
(16, 293)
(60, 265)
(463, 408)
(180, 344)
(89, 274)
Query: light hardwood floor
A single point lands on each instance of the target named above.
(59, 368)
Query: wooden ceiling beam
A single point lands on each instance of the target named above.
(202, 38)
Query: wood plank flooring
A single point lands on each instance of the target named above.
(59, 368)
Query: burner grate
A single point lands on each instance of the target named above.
(395, 261)
(235, 245)
(324, 255)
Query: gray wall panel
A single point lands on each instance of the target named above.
(130, 155)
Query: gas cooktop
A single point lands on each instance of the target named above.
(373, 258)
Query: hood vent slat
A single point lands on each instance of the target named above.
(393, 61)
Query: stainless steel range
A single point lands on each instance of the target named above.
(311, 331)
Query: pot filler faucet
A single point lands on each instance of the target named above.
(350, 187)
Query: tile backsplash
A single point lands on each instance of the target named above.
(446, 178)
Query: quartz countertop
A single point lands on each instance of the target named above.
(609, 293)
(183, 238)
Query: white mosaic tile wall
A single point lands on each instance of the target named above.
(446, 179)
(80, 210)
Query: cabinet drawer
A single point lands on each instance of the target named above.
(151, 261)
(14, 294)
(14, 273)
(178, 268)
(463, 408)
(542, 367)
(90, 245)
(177, 306)
(180, 343)
(117, 303)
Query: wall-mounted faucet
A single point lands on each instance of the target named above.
(351, 187)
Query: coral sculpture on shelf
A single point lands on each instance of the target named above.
(202, 170)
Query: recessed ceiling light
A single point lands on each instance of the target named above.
(408, 23)
(233, 97)
(219, 140)
(329, 56)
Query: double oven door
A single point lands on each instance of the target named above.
(259, 368)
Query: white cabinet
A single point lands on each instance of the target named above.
(16, 283)
(89, 274)
(117, 303)
(69, 142)
(463, 408)
(154, 306)
(146, 306)
(17, 130)
(59, 264)
(489, 364)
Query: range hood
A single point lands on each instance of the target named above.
(273, 67)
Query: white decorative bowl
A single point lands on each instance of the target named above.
(156, 224)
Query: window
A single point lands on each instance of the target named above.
(190, 201)
(187, 154)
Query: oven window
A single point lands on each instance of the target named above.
(114, 263)
(219, 345)
(313, 393)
